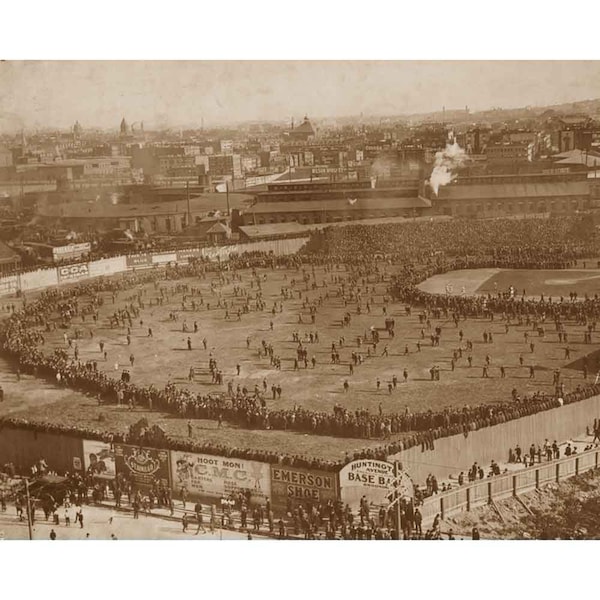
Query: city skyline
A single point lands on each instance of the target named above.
(170, 94)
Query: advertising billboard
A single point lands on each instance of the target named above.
(71, 251)
(216, 476)
(184, 256)
(139, 261)
(162, 259)
(302, 485)
(69, 273)
(99, 458)
(9, 285)
(373, 479)
(107, 266)
(33, 280)
(142, 466)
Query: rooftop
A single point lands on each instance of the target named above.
(105, 209)
(259, 231)
(7, 254)
(218, 227)
(304, 127)
(514, 190)
(578, 157)
(341, 204)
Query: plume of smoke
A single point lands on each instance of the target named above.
(445, 165)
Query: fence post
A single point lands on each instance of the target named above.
(468, 499)
(514, 482)
(596, 460)
(537, 479)
(489, 492)
(442, 507)
(557, 472)
(577, 466)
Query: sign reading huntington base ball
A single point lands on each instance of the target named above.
(373, 479)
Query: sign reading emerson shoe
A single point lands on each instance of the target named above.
(142, 466)
(217, 476)
(73, 272)
(302, 485)
(373, 479)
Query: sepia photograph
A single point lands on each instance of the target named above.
(234, 317)
(261, 301)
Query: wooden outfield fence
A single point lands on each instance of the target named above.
(515, 483)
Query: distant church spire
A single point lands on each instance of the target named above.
(124, 127)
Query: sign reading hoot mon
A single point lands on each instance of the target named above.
(216, 476)
(370, 478)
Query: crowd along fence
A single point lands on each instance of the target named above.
(457, 453)
(65, 274)
(485, 491)
(210, 477)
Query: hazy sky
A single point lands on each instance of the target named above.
(55, 94)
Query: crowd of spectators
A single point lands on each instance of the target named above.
(537, 243)
(423, 249)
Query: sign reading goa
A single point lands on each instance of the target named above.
(216, 476)
(73, 272)
(373, 479)
(301, 486)
(142, 466)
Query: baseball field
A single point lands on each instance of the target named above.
(215, 330)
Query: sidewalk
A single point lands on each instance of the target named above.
(179, 511)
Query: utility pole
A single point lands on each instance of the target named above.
(403, 489)
(28, 509)
(227, 194)
(187, 188)
(397, 471)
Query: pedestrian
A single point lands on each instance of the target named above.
(200, 520)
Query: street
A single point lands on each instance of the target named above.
(97, 526)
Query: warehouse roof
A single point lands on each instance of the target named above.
(514, 190)
(578, 157)
(259, 231)
(104, 209)
(7, 254)
(341, 204)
